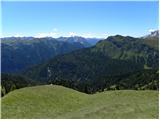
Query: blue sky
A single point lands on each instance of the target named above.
(87, 19)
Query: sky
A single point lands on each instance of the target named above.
(86, 19)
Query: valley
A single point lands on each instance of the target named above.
(116, 63)
(79, 59)
(19, 53)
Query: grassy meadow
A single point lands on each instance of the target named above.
(52, 101)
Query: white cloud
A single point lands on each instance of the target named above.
(151, 30)
(72, 34)
(93, 35)
(55, 33)
(105, 34)
(49, 34)
(18, 35)
(87, 35)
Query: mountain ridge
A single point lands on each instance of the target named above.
(19, 54)
(114, 56)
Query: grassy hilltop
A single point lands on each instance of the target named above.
(52, 101)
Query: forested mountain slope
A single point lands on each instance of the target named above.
(18, 54)
(82, 69)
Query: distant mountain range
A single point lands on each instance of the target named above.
(18, 53)
(152, 39)
(118, 62)
(153, 35)
(81, 40)
(85, 41)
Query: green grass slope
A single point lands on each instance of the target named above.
(52, 101)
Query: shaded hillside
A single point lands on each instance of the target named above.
(93, 41)
(19, 54)
(152, 42)
(141, 80)
(10, 82)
